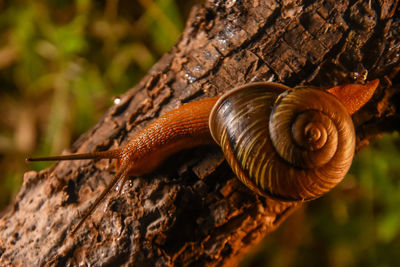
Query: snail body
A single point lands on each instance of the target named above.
(289, 144)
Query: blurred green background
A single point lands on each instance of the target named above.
(63, 61)
(61, 64)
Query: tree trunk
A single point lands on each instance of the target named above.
(192, 210)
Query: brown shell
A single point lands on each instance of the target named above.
(289, 144)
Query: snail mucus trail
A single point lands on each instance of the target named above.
(288, 144)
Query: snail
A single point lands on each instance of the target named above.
(288, 144)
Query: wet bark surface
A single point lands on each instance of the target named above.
(192, 210)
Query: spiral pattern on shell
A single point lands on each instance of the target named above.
(289, 144)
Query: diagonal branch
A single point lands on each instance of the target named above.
(192, 210)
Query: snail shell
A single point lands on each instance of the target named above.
(289, 144)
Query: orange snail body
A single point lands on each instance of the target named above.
(280, 173)
(178, 129)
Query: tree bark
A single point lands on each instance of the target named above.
(192, 210)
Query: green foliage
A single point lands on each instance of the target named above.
(61, 64)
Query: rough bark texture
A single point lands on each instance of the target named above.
(192, 211)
